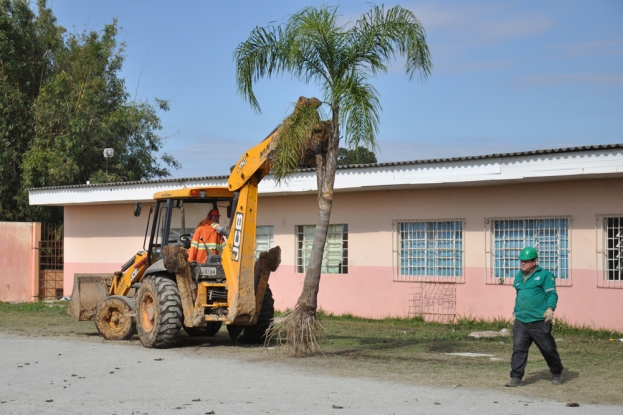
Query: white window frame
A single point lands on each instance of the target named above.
(563, 259)
(398, 254)
(335, 256)
(267, 231)
(603, 250)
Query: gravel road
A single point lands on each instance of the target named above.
(66, 376)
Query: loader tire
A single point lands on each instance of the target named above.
(113, 318)
(234, 331)
(158, 312)
(257, 333)
(209, 331)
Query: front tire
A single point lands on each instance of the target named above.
(256, 334)
(113, 318)
(159, 312)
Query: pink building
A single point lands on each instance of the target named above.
(437, 238)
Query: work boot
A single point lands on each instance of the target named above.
(557, 379)
(513, 383)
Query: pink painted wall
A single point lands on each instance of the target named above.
(19, 262)
(369, 290)
(101, 238)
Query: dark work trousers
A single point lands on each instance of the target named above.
(540, 333)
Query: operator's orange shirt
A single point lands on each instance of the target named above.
(205, 238)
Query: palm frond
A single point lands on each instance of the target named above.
(264, 53)
(312, 35)
(359, 110)
(380, 35)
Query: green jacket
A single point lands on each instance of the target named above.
(535, 295)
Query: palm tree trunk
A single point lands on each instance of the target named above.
(301, 329)
(311, 285)
(326, 164)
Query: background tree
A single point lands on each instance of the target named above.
(340, 59)
(63, 102)
(358, 155)
(27, 45)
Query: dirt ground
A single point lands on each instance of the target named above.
(86, 374)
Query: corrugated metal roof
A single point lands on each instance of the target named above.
(370, 165)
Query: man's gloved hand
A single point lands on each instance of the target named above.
(512, 320)
(549, 315)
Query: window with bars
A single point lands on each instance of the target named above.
(613, 244)
(264, 240)
(335, 256)
(549, 236)
(430, 249)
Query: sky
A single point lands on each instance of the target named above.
(508, 75)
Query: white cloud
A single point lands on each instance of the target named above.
(482, 66)
(591, 48)
(482, 23)
(564, 79)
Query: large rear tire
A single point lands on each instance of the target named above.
(158, 312)
(257, 333)
(113, 318)
(208, 331)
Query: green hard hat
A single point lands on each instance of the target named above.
(528, 253)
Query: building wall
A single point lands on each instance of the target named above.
(369, 290)
(101, 238)
(19, 262)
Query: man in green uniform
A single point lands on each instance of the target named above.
(532, 317)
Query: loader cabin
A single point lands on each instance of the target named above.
(176, 214)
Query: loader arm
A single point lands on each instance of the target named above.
(238, 257)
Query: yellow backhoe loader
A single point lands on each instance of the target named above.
(157, 292)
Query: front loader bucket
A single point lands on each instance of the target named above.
(89, 290)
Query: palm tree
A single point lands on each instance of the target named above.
(340, 59)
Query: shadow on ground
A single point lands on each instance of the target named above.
(371, 344)
(545, 375)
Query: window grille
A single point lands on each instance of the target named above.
(612, 251)
(264, 240)
(429, 251)
(51, 261)
(549, 236)
(335, 256)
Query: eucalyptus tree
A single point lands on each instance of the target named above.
(314, 47)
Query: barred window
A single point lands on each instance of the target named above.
(613, 232)
(549, 236)
(264, 240)
(430, 249)
(335, 256)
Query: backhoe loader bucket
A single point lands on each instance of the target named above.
(89, 290)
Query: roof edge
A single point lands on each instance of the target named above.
(355, 166)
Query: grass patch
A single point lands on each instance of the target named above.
(41, 319)
(415, 350)
(52, 308)
(403, 350)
